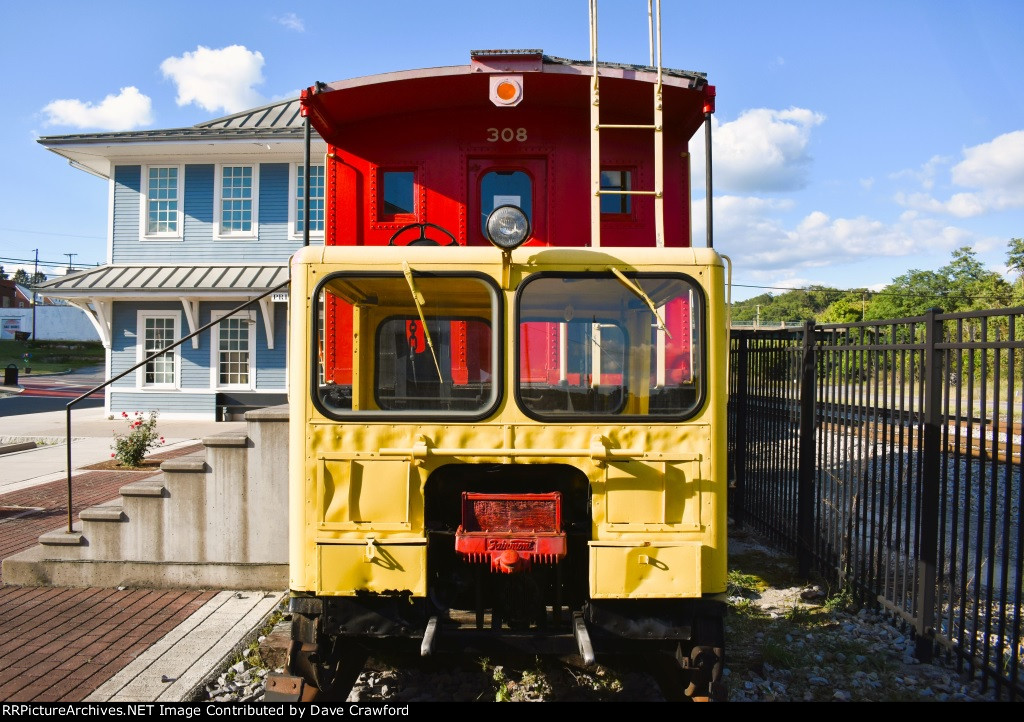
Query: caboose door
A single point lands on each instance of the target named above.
(506, 180)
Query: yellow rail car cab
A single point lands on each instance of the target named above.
(527, 446)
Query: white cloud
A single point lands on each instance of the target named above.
(763, 150)
(127, 110)
(292, 22)
(926, 174)
(752, 229)
(220, 79)
(994, 172)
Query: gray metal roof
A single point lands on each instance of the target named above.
(674, 72)
(187, 279)
(285, 114)
(277, 120)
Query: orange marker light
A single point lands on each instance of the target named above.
(506, 90)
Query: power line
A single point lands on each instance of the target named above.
(48, 233)
(28, 261)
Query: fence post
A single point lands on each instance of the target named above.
(805, 478)
(740, 448)
(927, 552)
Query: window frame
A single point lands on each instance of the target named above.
(630, 215)
(144, 201)
(698, 325)
(218, 203)
(141, 353)
(294, 233)
(379, 218)
(497, 351)
(498, 170)
(215, 351)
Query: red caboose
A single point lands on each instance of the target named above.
(425, 155)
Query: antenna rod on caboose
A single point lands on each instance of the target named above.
(650, 29)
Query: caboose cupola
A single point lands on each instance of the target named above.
(449, 145)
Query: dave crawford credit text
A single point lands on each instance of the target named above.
(189, 711)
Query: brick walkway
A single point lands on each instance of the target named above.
(59, 644)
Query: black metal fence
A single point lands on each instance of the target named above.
(887, 457)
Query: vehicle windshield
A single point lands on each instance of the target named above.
(404, 343)
(609, 344)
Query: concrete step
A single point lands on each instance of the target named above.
(184, 513)
(103, 527)
(216, 518)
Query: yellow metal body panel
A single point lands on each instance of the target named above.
(656, 570)
(372, 566)
(658, 489)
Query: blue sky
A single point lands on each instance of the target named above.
(853, 141)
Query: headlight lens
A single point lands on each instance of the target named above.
(508, 227)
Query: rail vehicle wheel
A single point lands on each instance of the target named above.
(706, 660)
(330, 669)
(694, 672)
(320, 667)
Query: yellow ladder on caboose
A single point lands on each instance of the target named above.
(654, 31)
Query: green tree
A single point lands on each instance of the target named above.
(1015, 257)
(22, 277)
(1015, 260)
(3, 274)
(848, 308)
(971, 287)
(910, 294)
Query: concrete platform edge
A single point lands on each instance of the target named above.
(178, 667)
(32, 568)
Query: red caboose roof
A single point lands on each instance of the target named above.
(547, 81)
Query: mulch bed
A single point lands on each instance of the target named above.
(150, 464)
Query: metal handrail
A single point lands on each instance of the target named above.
(145, 361)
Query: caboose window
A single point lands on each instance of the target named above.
(398, 192)
(616, 203)
(429, 345)
(505, 187)
(602, 345)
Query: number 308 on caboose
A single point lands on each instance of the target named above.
(508, 374)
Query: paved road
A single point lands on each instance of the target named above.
(53, 392)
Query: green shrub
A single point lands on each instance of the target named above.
(131, 448)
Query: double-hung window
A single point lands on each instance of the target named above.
(232, 348)
(162, 201)
(156, 331)
(297, 208)
(236, 207)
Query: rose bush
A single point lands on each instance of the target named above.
(131, 448)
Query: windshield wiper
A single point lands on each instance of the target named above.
(419, 300)
(643, 297)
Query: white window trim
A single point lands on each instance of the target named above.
(144, 203)
(293, 204)
(218, 192)
(249, 316)
(140, 348)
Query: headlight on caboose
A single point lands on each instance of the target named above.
(508, 227)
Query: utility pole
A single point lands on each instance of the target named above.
(757, 317)
(70, 256)
(35, 273)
